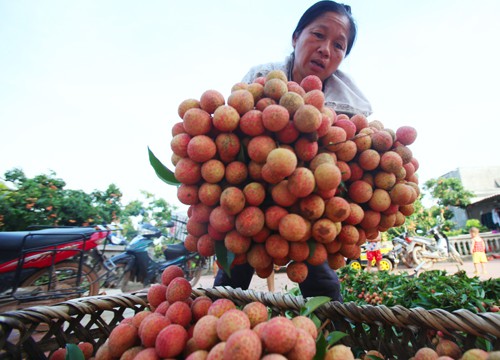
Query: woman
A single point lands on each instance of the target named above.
(324, 36)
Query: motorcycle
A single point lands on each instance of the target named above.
(46, 265)
(140, 264)
(403, 246)
(426, 251)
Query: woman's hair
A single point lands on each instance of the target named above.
(319, 9)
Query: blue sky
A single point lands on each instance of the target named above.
(87, 86)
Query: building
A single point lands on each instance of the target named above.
(484, 182)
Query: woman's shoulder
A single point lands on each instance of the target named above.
(344, 96)
(264, 69)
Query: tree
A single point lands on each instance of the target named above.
(448, 193)
(43, 200)
(156, 211)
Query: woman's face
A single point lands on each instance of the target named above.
(321, 46)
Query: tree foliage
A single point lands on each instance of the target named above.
(445, 193)
(448, 192)
(44, 200)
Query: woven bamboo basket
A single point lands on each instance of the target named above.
(34, 333)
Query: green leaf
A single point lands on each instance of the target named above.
(335, 336)
(321, 346)
(73, 352)
(242, 155)
(313, 304)
(164, 173)
(373, 357)
(224, 257)
(315, 320)
(312, 247)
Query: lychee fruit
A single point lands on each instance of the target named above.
(156, 294)
(291, 101)
(304, 348)
(121, 338)
(230, 322)
(448, 348)
(305, 323)
(282, 161)
(297, 271)
(171, 341)
(205, 332)
(151, 327)
(220, 306)
(339, 352)
(236, 242)
(179, 289)
(406, 135)
(251, 123)
(241, 100)
(197, 122)
(244, 344)
(232, 200)
(187, 104)
(256, 312)
(279, 335)
(275, 117)
(311, 82)
(275, 88)
(179, 312)
(426, 353)
(211, 100)
(293, 227)
(307, 118)
(250, 221)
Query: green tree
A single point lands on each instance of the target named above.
(156, 211)
(445, 193)
(448, 193)
(42, 200)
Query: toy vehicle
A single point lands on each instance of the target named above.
(389, 259)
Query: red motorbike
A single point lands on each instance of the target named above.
(47, 265)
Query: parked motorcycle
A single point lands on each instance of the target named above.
(138, 263)
(47, 265)
(423, 252)
(403, 247)
(427, 251)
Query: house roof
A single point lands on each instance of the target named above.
(489, 199)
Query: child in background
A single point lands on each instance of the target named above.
(373, 252)
(478, 247)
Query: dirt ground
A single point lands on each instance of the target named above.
(283, 284)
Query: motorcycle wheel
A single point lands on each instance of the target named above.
(118, 278)
(193, 269)
(385, 265)
(405, 259)
(456, 256)
(123, 277)
(418, 258)
(355, 264)
(63, 285)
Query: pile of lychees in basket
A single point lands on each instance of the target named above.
(280, 178)
(180, 327)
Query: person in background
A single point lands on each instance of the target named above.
(478, 248)
(373, 253)
(323, 37)
(270, 282)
